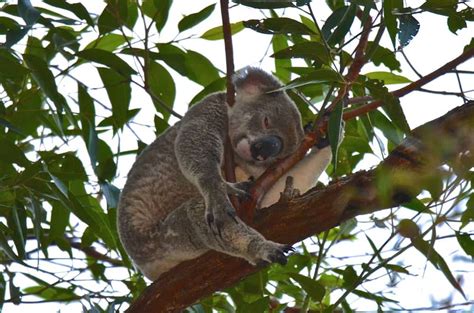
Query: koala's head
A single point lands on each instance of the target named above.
(264, 124)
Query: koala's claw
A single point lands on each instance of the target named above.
(241, 189)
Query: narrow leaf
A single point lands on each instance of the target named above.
(107, 58)
(334, 130)
(312, 287)
(466, 243)
(278, 25)
(437, 260)
(119, 92)
(216, 33)
(195, 18)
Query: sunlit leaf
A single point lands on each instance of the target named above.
(217, 33)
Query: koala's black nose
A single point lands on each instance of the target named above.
(264, 148)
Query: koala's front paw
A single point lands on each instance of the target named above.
(272, 252)
(240, 189)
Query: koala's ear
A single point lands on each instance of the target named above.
(250, 82)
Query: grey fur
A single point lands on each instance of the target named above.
(174, 206)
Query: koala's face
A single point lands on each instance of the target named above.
(264, 126)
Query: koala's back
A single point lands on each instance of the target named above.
(154, 188)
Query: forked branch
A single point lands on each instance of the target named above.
(318, 210)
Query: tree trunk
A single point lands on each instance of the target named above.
(406, 172)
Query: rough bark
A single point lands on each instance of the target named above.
(407, 168)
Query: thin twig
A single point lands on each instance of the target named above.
(466, 55)
(229, 164)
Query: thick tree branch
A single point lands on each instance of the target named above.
(318, 210)
(270, 176)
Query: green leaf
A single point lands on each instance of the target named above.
(380, 55)
(334, 130)
(388, 77)
(160, 125)
(162, 88)
(10, 153)
(435, 4)
(396, 268)
(312, 287)
(158, 10)
(59, 221)
(119, 92)
(17, 222)
(37, 218)
(437, 260)
(280, 42)
(199, 69)
(76, 8)
(272, 4)
(387, 127)
(3, 288)
(5, 247)
(315, 77)
(278, 25)
(350, 278)
(49, 292)
(216, 33)
(466, 243)
(108, 42)
(308, 50)
(29, 13)
(409, 27)
(45, 80)
(11, 68)
(217, 85)
(107, 58)
(111, 194)
(342, 19)
(468, 215)
(195, 18)
(456, 22)
(371, 296)
(389, 8)
(107, 22)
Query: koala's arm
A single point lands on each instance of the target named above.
(305, 174)
(199, 148)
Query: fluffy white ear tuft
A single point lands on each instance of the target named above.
(251, 82)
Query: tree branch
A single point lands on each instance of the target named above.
(290, 221)
(466, 55)
(229, 165)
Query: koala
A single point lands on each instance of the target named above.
(175, 205)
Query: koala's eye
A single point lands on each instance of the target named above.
(266, 122)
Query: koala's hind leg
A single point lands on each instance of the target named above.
(236, 238)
